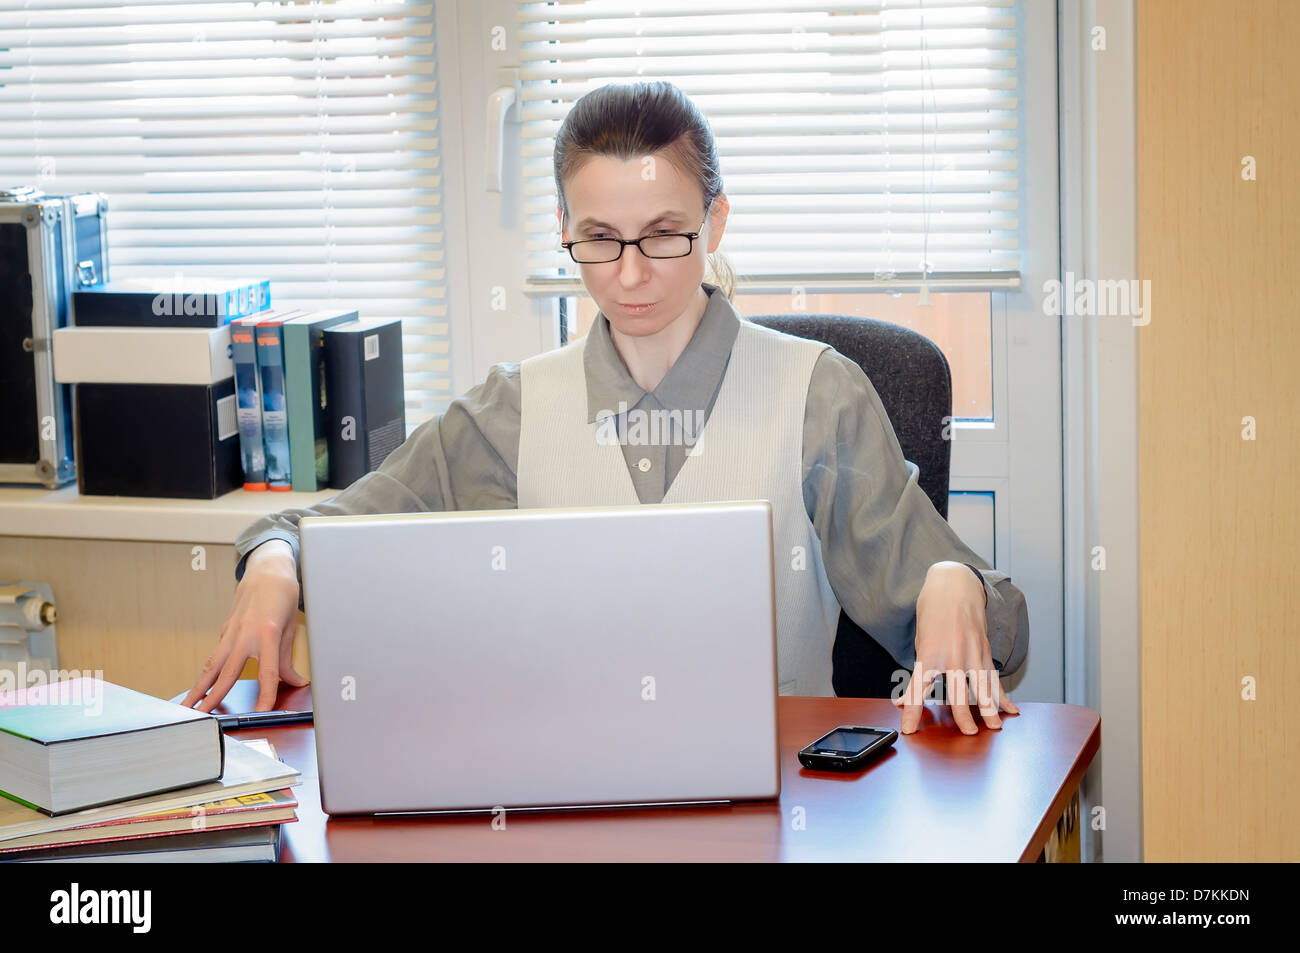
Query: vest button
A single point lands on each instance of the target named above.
(643, 464)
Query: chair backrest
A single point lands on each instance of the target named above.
(910, 374)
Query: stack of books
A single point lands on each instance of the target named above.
(321, 397)
(153, 384)
(207, 372)
(92, 771)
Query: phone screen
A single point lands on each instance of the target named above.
(847, 741)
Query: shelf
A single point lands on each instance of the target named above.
(64, 513)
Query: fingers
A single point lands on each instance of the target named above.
(275, 663)
(207, 675)
(1007, 704)
(998, 700)
(980, 687)
(989, 694)
(229, 675)
(960, 702)
(290, 674)
(986, 687)
(211, 668)
(268, 681)
(287, 672)
(985, 683)
(912, 700)
(262, 624)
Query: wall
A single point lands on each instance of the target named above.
(1219, 591)
(140, 612)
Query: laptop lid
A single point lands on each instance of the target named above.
(543, 657)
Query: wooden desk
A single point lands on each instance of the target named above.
(938, 795)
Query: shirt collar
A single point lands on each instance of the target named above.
(690, 382)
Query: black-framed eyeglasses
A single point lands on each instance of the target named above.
(591, 251)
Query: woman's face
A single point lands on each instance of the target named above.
(613, 198)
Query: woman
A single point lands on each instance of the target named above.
(747, 413)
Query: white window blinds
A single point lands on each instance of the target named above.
(867, 142)
(294, 140)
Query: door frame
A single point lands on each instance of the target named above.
(1100, 378)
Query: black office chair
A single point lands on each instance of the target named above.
(912, 377)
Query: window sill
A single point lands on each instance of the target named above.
(64, 513)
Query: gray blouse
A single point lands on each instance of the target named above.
(878, 529)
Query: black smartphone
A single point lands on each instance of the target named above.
(846, 748)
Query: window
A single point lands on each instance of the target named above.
(864, 145)
(959, 323)
(295, 140)
(861, 149)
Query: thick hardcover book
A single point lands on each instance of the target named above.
(170, 302)
(248, 400)
(275, 420)
(84, 742)
(367, 406)
(306, 396)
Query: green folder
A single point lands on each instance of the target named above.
(305, 396)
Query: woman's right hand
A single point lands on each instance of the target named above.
(262, 625)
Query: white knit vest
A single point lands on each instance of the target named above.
(751, 448)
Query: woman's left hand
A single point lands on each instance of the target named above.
(952, 637)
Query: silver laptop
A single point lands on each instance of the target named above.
(543, 658)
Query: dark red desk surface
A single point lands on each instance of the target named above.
(938, 795)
